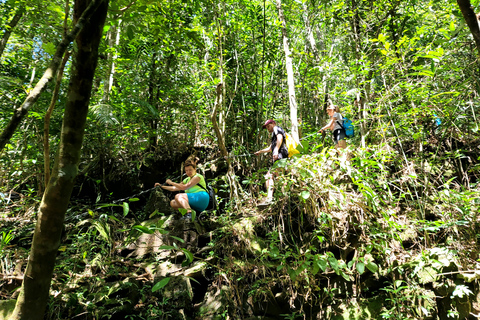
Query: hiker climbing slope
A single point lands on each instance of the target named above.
(279, 151)
(335, 124)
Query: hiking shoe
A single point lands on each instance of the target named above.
(187, 216)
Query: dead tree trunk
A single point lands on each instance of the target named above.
(33, 297)
(290, 77)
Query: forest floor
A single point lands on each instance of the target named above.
(344, 239)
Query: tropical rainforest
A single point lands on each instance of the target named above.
(100, 100)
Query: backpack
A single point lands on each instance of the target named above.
(348, 127)
(212, 203)
(291, 145)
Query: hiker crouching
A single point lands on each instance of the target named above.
(195, 196)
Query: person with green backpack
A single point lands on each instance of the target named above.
(335, 124)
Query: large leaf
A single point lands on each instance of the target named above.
(162, 283)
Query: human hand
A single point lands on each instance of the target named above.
(157, 184)
(169, 181)
(275, 155)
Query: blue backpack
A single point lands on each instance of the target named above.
(348, 127)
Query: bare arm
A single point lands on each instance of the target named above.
(181, 186)
(329, 125)
(267, 149)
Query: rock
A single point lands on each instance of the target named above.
(214, 304)
(6, 308)
(179, 294)
(158, 201)
(364, 309)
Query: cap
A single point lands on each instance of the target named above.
(267, 123)
(331, 107)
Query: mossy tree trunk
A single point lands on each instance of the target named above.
(33, 298)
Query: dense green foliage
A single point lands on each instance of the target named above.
(404, 204)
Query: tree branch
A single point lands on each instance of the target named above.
(41, 85)
(471, 20)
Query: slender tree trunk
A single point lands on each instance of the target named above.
(218, 111)
(8, 30)
(290, 77)
(41, 85)
(113, 41)
(309, 32)
(472, 20)
(33, 297)
(48, 115)
(362, 98)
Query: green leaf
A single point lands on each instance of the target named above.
(305, 195)
(126, 208)
(178, 239)
(189, 256)
(360, 267)
(333, 263)
(322, 263)
(49, 48)
(166, 247)
(143, 229)
(372, 266)
(315, 268)
(159, 285)
(345, 276)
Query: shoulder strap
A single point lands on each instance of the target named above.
(202, 186)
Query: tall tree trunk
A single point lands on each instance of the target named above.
(113, 42)
(472, 20)
(33, 297)
(290, 77)
(309, 33)
(218, 111)
(8, 30)
(361, 97)
(41, 85)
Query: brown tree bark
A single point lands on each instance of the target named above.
(471, 19)
(41, 85)
(8, 30)
(33, 297)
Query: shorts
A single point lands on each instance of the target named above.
(198, 201)
(338, 135)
